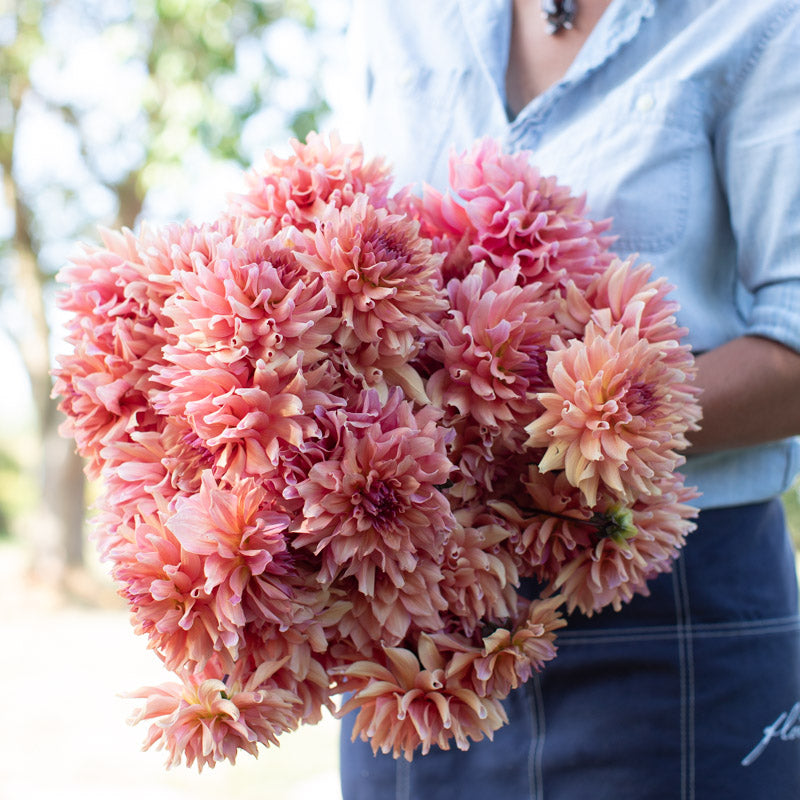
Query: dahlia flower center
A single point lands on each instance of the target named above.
(195, 443)
(283, 262)
(380, 501)
(387, 246)
(640, 399)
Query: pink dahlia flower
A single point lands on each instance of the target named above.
(94, 288)
(163, 585)
(382, 274)
(550, 523)
(618, 413)
(164, 252)
(510, 656)
(445, 223)
(373, 504)
(626, 295)
(116, 295)
(319, 175)
(485, 466)
(632, 545)
(242, 541)
(100, 402)
(135, 478)
(245, 417)
(519, 217)
(298, 665)
(492, 346)
(507, 655)
(128, 278)
(391, 612)
(251, 299)
(480, 578)
(594, 557)
(185, 455)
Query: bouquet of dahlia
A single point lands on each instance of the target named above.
(338, 426)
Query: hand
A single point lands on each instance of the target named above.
(751, 394)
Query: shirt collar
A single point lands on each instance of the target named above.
(488, 27)
(619, 24)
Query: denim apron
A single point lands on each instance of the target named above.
(692, 693)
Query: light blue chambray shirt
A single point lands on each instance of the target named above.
(681, 120)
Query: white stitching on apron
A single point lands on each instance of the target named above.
(687, 609)
(686, 677)
(402, 786)
(709, 630)
(538, 732)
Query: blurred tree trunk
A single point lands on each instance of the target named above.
(56, 532)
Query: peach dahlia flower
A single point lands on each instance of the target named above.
(638, 542)
(100, 401)
(244, 416)
(163, 585)
(391, 613)
(618, 413)
(628, 295)
(510, 655)
(252, 299)
(479, 576)
(242, 541)
(206, 720)
(412, 701)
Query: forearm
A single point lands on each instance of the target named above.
(750, 394)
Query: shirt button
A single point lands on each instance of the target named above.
(406, 77)
(645, 102)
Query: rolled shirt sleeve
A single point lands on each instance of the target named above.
(758, 156)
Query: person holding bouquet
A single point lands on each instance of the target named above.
(680, 122)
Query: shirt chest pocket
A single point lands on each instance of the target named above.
(637, 154)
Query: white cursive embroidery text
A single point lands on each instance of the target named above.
(786, 728)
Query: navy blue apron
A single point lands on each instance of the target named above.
(692, 693)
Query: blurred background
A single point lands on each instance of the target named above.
(114, 111)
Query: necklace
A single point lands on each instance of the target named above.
(559, 14)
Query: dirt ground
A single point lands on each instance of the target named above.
(63, 727)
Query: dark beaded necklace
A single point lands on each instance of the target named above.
(559, 14)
